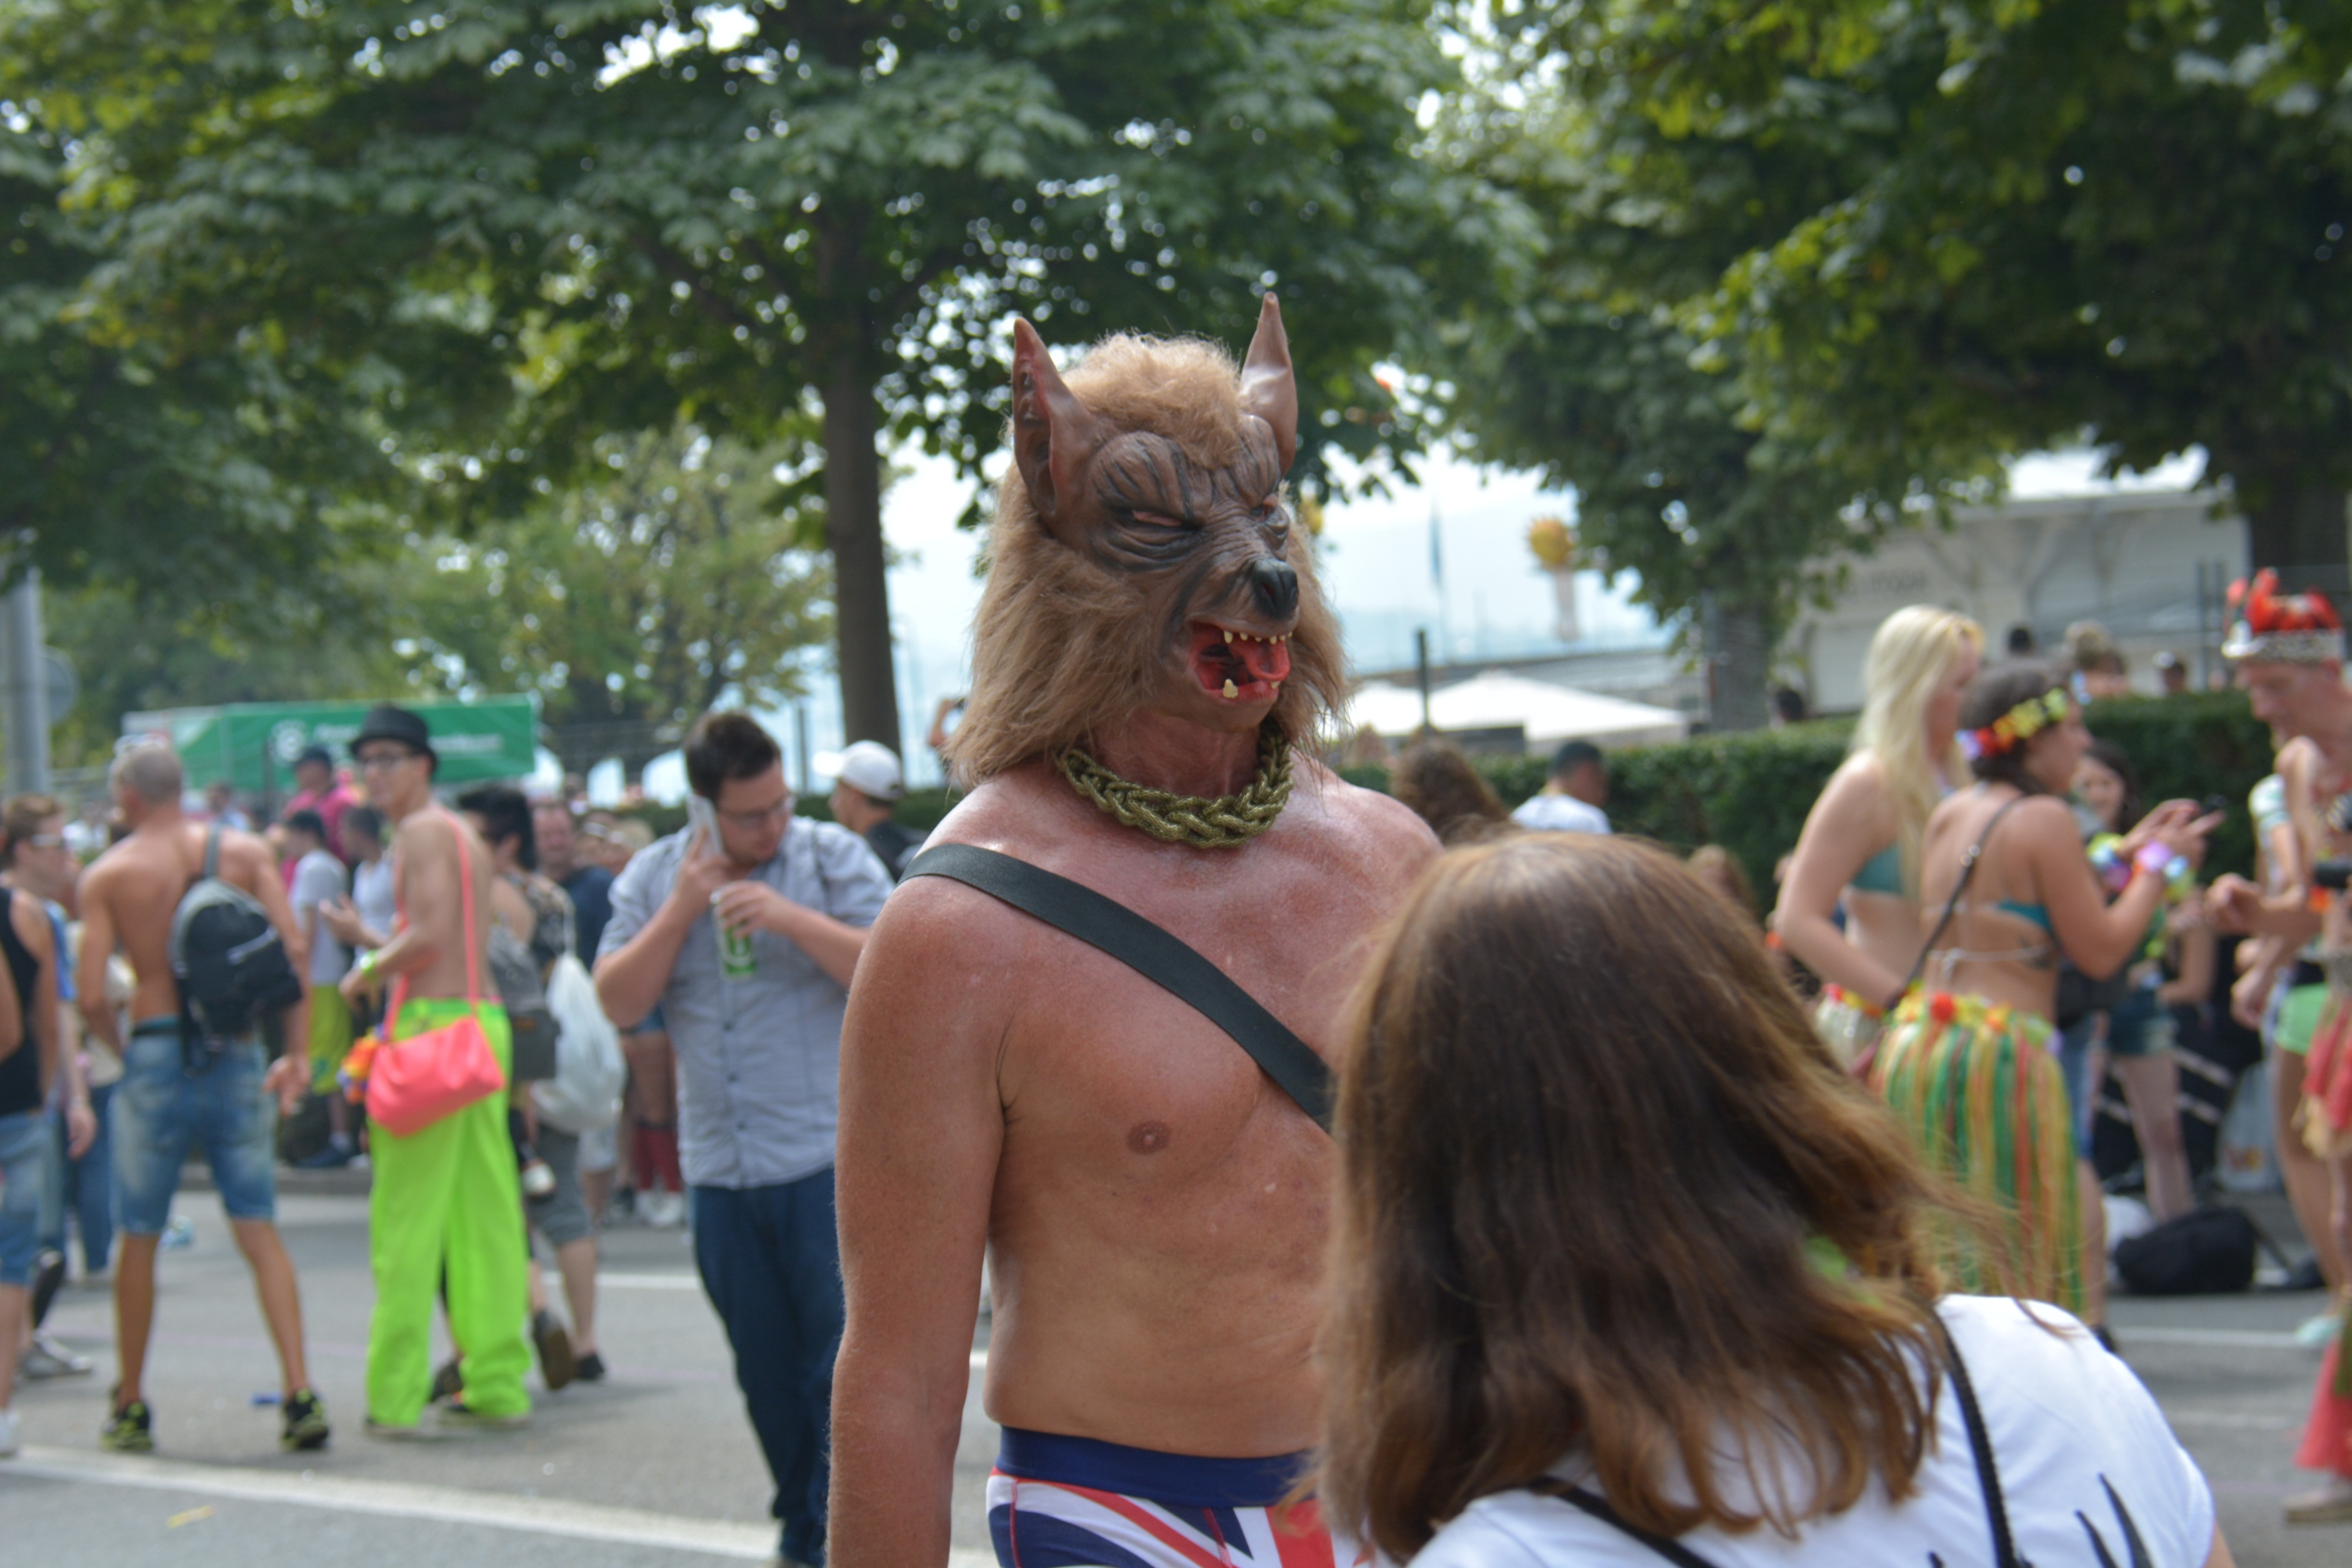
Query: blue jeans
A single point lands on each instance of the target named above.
(24, 1172)
(84, 1186)
(163, 1108)
(772, 1264)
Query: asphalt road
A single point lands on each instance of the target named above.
(656, 1468)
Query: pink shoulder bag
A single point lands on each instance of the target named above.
(414, 1082)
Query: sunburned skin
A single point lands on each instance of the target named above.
(1152, 1207)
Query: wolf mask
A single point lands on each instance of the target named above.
(1144, 555)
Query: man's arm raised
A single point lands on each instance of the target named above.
(922, 1124)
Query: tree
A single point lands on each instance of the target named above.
(2119, 217)
(1575, 366)
(633, 602)
(747, 217)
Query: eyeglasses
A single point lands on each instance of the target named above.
(751, 822)
(45, 840)
(376, 761)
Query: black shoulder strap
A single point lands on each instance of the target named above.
(1149, 951)
(2004, 1546)
(1592, 1503)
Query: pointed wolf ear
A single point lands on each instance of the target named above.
(1268, 388)
(1054, 434)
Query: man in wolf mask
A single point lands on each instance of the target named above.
(1150, 645)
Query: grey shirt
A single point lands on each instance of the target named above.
(759, 1059)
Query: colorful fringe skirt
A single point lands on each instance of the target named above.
(1976, 1087)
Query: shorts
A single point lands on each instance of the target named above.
(562, 1215)
(330, 1036)
(24, 1176)
(600, 1150)
(2142, 1026)
(163, 1109)
(1059, 1502)
(2297, 1016)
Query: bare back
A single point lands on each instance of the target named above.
(426, 857)
(131, 892)
(1153, 1207)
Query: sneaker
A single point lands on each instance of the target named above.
(129, 1430)
(2318, 1332)
(329, 1158)
(46, 1358)
(7, 1434)
(589, 1368)
(456, 1416)
(447, 1382)
(2330, 1504)
(555, 1362)
(306, 1423)
(664, 1210)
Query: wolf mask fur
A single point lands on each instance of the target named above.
(1144, 555)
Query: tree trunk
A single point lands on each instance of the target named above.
(853, 525)
(1739, 660)
(2298, 527)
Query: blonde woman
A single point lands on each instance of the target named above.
(1861, 843)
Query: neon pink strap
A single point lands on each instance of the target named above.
(466, 894)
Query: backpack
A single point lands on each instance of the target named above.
(2205, 1252)
(227, 957)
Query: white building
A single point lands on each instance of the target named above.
(2151, 566)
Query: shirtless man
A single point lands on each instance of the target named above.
(446, 1198)
(1152, 1206)
(168, 1102)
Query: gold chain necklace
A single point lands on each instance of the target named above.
(1205, 823)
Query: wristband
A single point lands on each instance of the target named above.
(2155, 858)
(366, 964)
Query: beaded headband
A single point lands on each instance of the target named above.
(2275, 628)
(2017, 725)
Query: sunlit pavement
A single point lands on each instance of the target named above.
(656, 1466)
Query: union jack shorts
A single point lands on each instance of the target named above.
(1074, 1502)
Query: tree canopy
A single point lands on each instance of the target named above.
(2023, 224)
(518, 228)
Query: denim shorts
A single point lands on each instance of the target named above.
(163, 1109)
(23, 1169)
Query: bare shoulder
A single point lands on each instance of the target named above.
(1859, 785)
(937, 923)
(246, 860)
(1364, 834)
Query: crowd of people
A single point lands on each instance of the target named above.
(1348, 1177)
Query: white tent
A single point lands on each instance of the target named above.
(1497, 700)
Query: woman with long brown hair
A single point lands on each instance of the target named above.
(1626, 1272)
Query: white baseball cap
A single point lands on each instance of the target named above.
(871, 769)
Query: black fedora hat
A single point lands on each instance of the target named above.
(385, 722)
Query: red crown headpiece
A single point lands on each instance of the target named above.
(2281, 629)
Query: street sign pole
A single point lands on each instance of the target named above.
(26, 708)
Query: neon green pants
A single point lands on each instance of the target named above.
(447, 1198)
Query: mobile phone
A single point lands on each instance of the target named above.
(702, 821)
(2213, 804)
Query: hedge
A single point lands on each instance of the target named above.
(1749, 791)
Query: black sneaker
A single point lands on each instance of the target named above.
(589, 1368)
(306, 1423)
(129, 1430)
(48, 1273)
(445, 1382)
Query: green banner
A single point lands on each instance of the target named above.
(254, 745)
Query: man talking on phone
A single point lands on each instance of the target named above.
(744, 929)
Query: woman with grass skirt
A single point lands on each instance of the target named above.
(1967, 1063)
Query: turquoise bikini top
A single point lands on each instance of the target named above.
(1882, 872)
(2033, 912)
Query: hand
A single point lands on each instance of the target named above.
(81, 1128)
(756, 906)
(360, 984)
(2250, 996)
(288, 1078)
(340, 918)
(2231, 905)
(700, 874)
(2177, 826)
